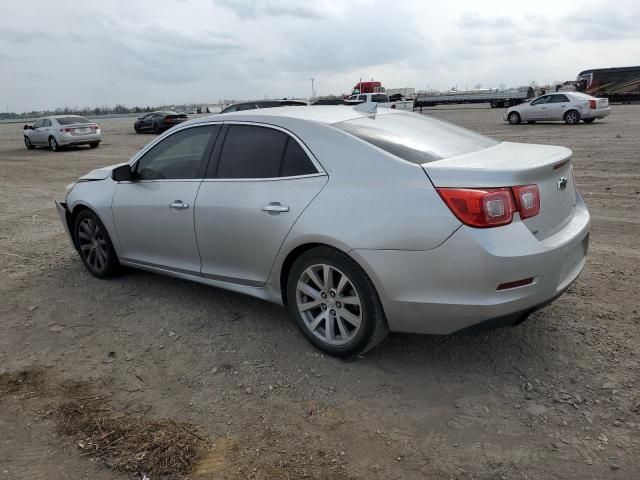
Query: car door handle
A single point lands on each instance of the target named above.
(275, 207)
(179, 205)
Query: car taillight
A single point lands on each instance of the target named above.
(491, 207)
(592, 104)
(527, 200)
(482, 208)
(94, 127)
(68, 130)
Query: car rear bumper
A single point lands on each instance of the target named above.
(454, 287)
(68, 139)
(597, 113)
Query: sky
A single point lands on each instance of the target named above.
(151, 52)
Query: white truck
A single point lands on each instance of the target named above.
(382, 99)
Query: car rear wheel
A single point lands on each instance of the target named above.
(94, 245)
(514, 118)
(28, 144)
(53, 144)
(507, 103)
(572, 117)
(94, 144)
(588, 120)
(335, 303)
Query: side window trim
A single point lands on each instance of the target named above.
(204, 162)
(212, 173)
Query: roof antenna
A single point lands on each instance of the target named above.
(367, 107)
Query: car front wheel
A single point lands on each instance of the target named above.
(514, 118)
(94, 245)
(335, 303)
(28, 144)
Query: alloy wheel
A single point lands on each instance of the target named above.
(572, 117)
(92, 243)
(53, 144)
(329, 304)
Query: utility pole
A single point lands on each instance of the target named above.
(313, 92)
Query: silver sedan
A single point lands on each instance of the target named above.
(60, 131)
(359, 219)
(570, 107)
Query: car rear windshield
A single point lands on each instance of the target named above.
(71, 120)
(414, 137)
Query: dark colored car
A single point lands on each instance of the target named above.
(158, 122)
(238, 107)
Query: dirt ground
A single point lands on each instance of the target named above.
(554, 398)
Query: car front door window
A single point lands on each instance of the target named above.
(176, 157)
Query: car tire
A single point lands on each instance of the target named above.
(342, 316)
(28, 144)
(572, 117)
(156, 128)
(137, 129)
(94, 245)
(94, 144)
(507, 103)
(53, 144)
(588, 120)
(514, 118)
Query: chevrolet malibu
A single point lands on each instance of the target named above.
(61, 130)
(361, 220)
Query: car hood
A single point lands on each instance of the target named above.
(100, 173)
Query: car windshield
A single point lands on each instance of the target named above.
(70, 120)
(415, 138)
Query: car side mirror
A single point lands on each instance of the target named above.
(122, 174)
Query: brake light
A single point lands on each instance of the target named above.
(592, 104)
(482, 208)
(68, 130)
(491, 207)
(94, 127)
(527, 200)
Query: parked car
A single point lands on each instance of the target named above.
(239, 107)
(568, 106)
(158, 122)
(360, 222)
(60, 131)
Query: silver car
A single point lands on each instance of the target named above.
(60, 131)
(570, 107)
(359, 220)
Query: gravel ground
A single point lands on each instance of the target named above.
(555, 397)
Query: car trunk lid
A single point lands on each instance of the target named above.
(511, 164)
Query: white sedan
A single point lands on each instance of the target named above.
(61, 130)
(568, 106)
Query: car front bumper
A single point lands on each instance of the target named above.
(63, 213)
(454, 287)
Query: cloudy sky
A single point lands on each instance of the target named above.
(86, 53)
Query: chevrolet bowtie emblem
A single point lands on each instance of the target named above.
(562, 183)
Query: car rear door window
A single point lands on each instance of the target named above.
(261, 152)
(251, 152)
(559, 99)
(178, 156)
